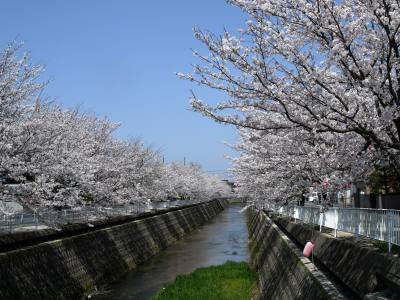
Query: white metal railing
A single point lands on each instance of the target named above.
(12, 222)
(379, 224)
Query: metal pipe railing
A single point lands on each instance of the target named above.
(379, 224)
(51, 218)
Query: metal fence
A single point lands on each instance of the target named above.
(13, 222)
(379, 224)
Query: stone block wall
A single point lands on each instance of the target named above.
(360, 266)
(72, 266)
(283, 272)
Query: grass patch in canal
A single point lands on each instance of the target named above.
(230, 281)
(236, 201)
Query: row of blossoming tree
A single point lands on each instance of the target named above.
(313, 87)
(52, 157)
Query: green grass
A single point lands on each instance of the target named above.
(230, 281)
(236, 202)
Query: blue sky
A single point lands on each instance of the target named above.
(118, 59)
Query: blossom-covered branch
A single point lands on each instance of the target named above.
(320, 73)
(52, 157)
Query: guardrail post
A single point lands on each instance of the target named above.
(336, 220)
(320, 220)
(390, 231)
(358, 225)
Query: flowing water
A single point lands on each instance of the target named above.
(223, 238)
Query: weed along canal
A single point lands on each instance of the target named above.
(223, 239)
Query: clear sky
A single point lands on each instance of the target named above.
(118, 59)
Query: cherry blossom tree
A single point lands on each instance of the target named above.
(189, 181)
(280, 168)
(324, 68)
(19, 88)
(53, 158)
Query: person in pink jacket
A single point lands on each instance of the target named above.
(308, 249)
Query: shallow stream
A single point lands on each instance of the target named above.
(223, 238)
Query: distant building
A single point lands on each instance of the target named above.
(230, 183)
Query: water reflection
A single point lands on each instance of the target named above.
(224, 238)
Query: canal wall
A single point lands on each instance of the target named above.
(283, 272)
(356, 262)
(72, 265)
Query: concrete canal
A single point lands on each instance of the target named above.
(222, 239)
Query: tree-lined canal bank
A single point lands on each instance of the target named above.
(223, 239)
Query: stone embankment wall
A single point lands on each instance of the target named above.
(283, 272)
(360, 266)
(80, 259)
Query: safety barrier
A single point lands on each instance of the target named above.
(379, 224)
(12, 222)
